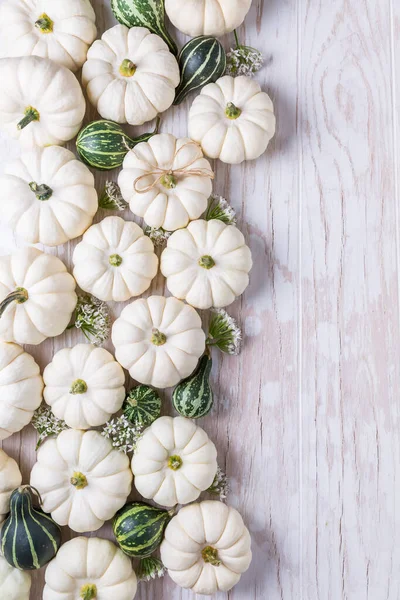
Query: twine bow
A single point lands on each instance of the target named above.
(168, 175)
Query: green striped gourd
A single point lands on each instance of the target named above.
(144, 13)
(193, 397)
(139, 528)
(29, 537)
(103, 144)
(142, 405)
(202, 60)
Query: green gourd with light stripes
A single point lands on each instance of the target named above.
(29, 537)
(139, 528)
(193, 397)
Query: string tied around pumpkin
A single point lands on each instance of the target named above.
(168, 176)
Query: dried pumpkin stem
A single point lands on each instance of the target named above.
(210, 555)
(42, 191)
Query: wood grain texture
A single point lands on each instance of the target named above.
(306, 420)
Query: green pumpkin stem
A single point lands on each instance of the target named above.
(158, 338)
(44, 23)
(79, 481)
(236, 38)
(115, 260)
(207, 262)
(127, 68)
(42, 191)
(20, 295)
(78, 387)
(210, 555)
(88, 591)
(232, 111)
(168, 181)
(31, 114)
(175, 462)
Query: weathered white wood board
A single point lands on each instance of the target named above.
(307, 418)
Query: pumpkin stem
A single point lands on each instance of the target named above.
(236, 38)
(207, 262)
(168, 181)
(175, 462)
(44, 23)
(78, 387)
(232, 111)
(210, 555)
(158, 338)
(42, 191)
(115, 260)
(88, 591)
(31, 114)
(127, 68)
(79, 481)
(19, 296)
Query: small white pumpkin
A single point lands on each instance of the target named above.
(37, 296)
(130, 75)
(159, 340)
(90, 568)
(207, 17)
(207, 264)
(55, 29)
(48, 196)
(14, 584)
(206, 547)
(174, 461)
(41, 103)
(21, 387)
(232, 119)
(115, 260)
(84, 386)
(82, 480)
(10, 479)
(176, 176)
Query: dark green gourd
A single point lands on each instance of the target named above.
(142, 405)
(139, 528)
(103, 144)
(144, 13)
(29, 537)
(201, 61)
(193, 397)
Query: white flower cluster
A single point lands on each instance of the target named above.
(243, 60)
(219, 208)
(93, 317)
(150, 568)
(122, 434)
(46, 424)
(158, 236)
(220, 485)
(224, 332)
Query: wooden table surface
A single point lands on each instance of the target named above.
(306, 419)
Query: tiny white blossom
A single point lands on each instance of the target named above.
(93, 317)
(224, 332)
(122, 434)
(150, 568)
(219, 208)
(157, 235)
(220, 486)
(112, 199)
(46, 423)
(243, 60)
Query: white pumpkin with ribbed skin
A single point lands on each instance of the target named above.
(206, 547)
(232, 119)
(84, 386)
(55, 29)
(166, 205)
(82, 480)
(174, 461)
(14, 584)
(115, 260)
(159, 340)
(130, 75)
(207, 264)
(53, 196)
(21, 387)
(41, 103)
(90, 565)
(37, 296)
(207, 17)
(10, 479)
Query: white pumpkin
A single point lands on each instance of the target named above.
(82, 480)
(206, 547)
(37, 296)
(10, 479)
(176, 176)
(21, 387)
(90, 568)
(130, 75)
(14, 584)
(159, 340)
(207, 17)
(232, 119)
(53, 196)
(55, 29)
(41, 103)
(174, 461)
(84, 386)
(115, 260)
(207, 264)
